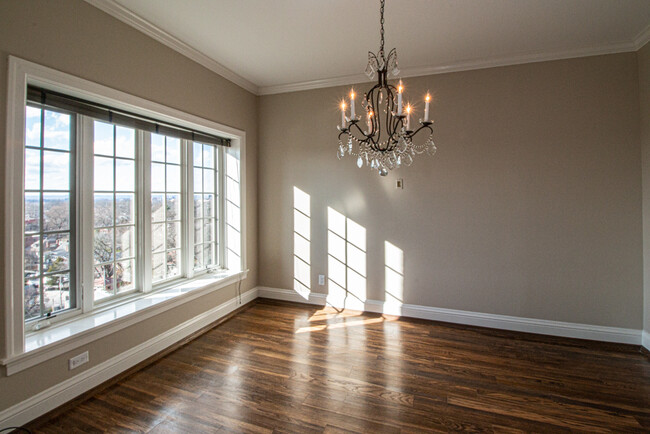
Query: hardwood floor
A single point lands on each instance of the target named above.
(280, 367)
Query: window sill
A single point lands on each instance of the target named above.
(53, 341)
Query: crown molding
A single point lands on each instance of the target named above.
(465, 66)
(642, 38)
(125, 15)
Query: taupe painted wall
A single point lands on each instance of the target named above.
(643, 56)
(74, 37)
(531, 207)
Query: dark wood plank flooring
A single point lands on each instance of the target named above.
(281, 367)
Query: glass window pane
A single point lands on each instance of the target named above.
(125, 208)
(56, 252)
(173, 150)
(209, 251)
(208, 205)
(198, 231)
(208, 180)
(124, 175)
(56, 292)
(173, 178)
(56, 211)
(56, 170)
(173, 268)
(103, 210)
(173, 207)
(32, 298)
(197, 154)
(208, 156)
(124, 142)
(158, 271)
(157, 237)
(32, 256)
(32, 212)
(32, 126)
(157, 208)
(103, 174)
(198, 180)
(198, 206)
(173, 235)
(103, 245)
(32, 169)
(57, 131)
(103, 138)
(208, 230)
(157, 177)
(124, 276)
(157, 148)
(198, 257)
(103, 281)
(124, 242)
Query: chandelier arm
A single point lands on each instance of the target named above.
(355, 124)
(422, 126)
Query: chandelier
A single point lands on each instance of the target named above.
(384, 140)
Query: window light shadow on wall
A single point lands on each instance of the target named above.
(394, 275)
(301, 243)
(346, 261)
(233, 212)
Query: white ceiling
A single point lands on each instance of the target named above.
(278, 45)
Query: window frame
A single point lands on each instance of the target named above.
(23, 73)
(73, 208)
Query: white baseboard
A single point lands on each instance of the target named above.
(529, 325)
(63, 392)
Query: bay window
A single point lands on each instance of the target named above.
(115, 205)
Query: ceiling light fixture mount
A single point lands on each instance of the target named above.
(386, 142)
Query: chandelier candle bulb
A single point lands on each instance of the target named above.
(427, 99)
(408, 117)
(352, 104)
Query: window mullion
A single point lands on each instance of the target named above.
(85, 184)
(187, 201)
(143, 231)
(221, 206)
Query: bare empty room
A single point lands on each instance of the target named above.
(325, 216)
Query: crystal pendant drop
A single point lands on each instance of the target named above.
(383, 171)
(350, 145)
(359, 162)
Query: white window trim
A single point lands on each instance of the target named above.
(23, 73)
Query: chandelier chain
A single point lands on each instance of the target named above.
(381, 23)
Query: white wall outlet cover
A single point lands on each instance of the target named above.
(77, 361)
(321, 279)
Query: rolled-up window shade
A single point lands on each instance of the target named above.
(48, 98)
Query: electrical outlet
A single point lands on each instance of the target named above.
(321, 279)
(77, 361)
(399, 183)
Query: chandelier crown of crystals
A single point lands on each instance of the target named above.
(386, 141)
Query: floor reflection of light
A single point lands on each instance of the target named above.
(394, 270)
(301, 243)
(346, 261)
(341, 325)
